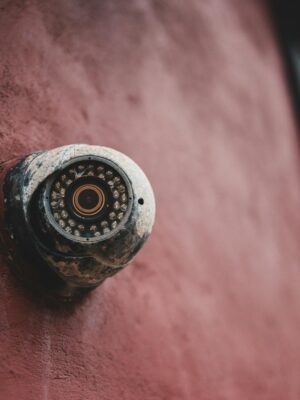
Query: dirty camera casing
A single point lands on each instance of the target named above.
(73, 216)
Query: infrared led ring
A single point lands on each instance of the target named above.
(88, 199)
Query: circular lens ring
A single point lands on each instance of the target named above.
(88, 211)
(104, 174)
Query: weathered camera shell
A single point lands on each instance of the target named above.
(70, 263)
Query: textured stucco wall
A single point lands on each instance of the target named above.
(194, 92)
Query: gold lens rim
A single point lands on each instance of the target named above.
(92, 211)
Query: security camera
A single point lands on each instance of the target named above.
(74, 216)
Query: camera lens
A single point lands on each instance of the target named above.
(88, 200)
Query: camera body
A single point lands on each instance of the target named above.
(74, 216)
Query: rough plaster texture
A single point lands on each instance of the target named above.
(194, 92)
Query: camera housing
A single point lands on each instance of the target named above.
(73, 216)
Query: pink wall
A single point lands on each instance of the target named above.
(194, 92)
